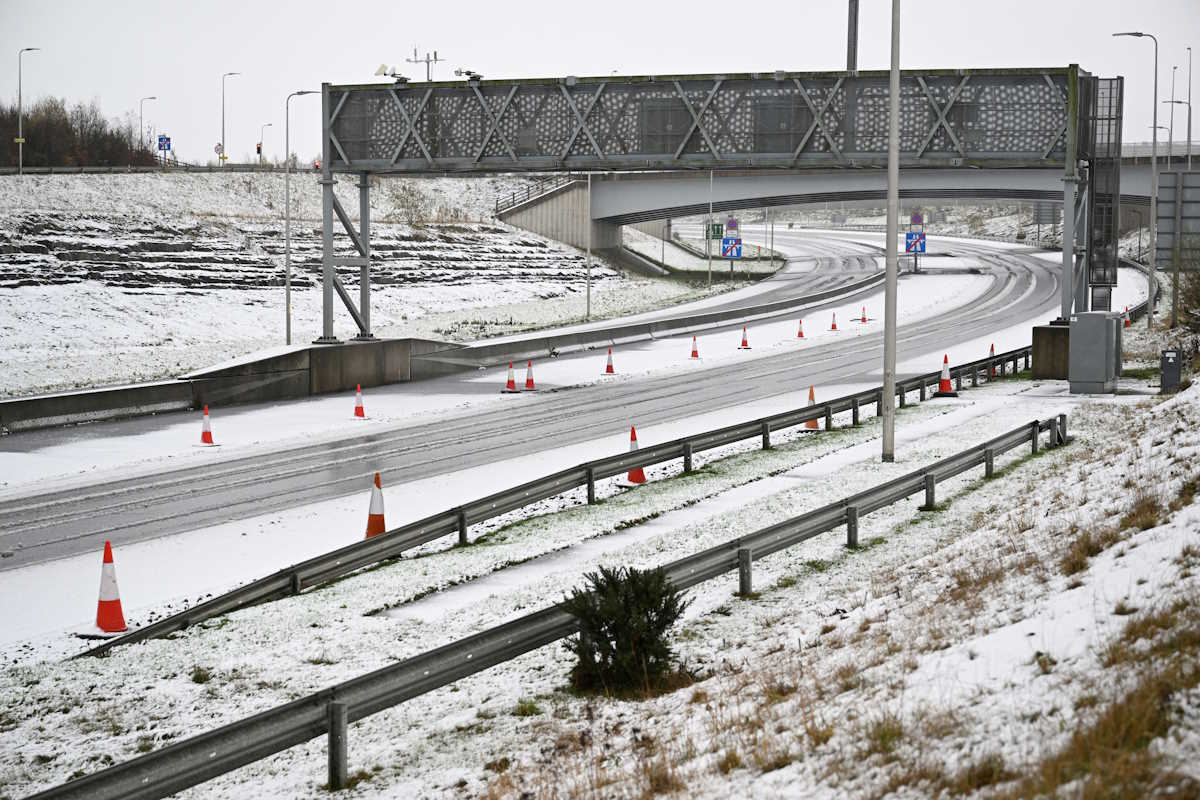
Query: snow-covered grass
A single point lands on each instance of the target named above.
(111, 279)
(847, 672)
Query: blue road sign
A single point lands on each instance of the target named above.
(914, 242)
(164, 142)
(731, 247)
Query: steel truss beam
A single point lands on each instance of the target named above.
(1012, 118)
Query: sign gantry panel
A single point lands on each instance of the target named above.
(950, 118)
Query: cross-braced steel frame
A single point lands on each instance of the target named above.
(782, 120)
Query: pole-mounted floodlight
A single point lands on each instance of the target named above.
(223, 156)
(20, 112)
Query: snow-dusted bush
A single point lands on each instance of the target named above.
(624, 615)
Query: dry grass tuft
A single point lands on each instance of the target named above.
(883, 734)
(1085, 545)
(729, 762)
(1145, 513)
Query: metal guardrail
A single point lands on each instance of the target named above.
(537, 189)
(193, 761)
(336, 564)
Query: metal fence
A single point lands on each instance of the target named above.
(193, 761)
(330, 566)
(535, 189)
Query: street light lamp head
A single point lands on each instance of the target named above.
(29, 49)
(1139, 34)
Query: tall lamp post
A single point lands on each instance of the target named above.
(1152, 280)
(223, 156)
(20, 112)
(261, 129)
(891, 266)
(1171, 123)
(287, 213)
(1189, 105)
(141, 123)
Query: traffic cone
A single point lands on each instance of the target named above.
(800, 329)
(864, 315)
(945, 389)
(833, 325)
(109, 617)
(529, 387)
(511, 386)
(608, 368)
(375, 523)
(695, 349)
(358, 403)
(992, 354)
(636, 475)
(1128, 321)
(812, 401)
(206, 439)
(745, 345)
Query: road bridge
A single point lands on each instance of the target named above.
(1056, 129)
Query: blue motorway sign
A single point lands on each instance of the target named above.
(914, 242)
(164, 142)
(731, 247)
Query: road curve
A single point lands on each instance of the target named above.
(63, 523)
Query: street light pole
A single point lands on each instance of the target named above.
(223, 156)
(262, 128)
(287, 213)
(1189, 102)
(20, 112)
(1152, 280)
(141, 123)
(1171, 124)
(890, 263)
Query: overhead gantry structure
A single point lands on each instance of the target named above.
(769, 123)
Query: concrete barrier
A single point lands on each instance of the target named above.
(289, 373)
(89, 405)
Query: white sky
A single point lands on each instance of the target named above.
(117, 51)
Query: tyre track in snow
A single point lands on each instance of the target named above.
(57, 524)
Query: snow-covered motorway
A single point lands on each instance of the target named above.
(52, 521)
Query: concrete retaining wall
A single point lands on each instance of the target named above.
(563, 215)
(284, 375)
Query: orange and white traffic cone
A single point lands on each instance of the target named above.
(608, 368)
(745, 345)
(636, 475)
(375, 523)
(511, 386)
(863, 319)
(945, 389)
(1128, 321)
(206, 437)
(695, 349)
(529, 387)
(109, 617)
(833, 325)
(992, 354)
(359, 411)
(800, 329)
(812, 401)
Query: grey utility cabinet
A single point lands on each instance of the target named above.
(1095, 352)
